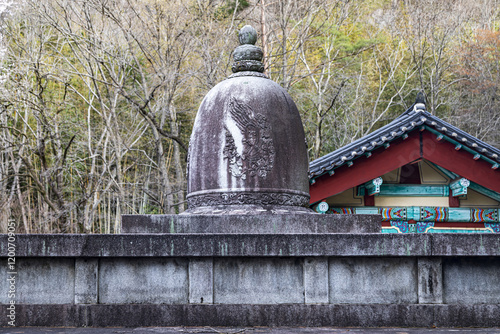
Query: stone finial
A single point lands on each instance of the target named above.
(420, 98)
(247, 56)
(247, 35)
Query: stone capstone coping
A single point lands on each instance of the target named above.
(259, 245)
(312, 315)
(286, 223)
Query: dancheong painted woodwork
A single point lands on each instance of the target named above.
(421, 174)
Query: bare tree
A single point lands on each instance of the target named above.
(478, 101)
(431, 29)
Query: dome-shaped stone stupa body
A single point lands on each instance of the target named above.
(247, 147)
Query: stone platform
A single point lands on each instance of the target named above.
(277, 223)
(307, 277)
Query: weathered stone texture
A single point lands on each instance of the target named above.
(471, 280)
(86, 287)
(465, 244)
(135, 281)
(226, 245)
(201, 281)
(373, 280)
(258, 281)
(316, 280)
(430, 280)
(40, 281)
(251, 223)
(339, 315)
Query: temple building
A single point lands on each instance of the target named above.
(420, 173)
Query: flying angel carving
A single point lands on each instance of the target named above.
(257, 158)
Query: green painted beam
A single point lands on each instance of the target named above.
(485, 191)
(474, 186)
(414, 190)
(446, 172)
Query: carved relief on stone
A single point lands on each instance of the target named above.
(235, 161)
(239, 198)
(258, 154)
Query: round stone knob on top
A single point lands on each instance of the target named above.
(247, 56)
(247, 35)
(247, 151)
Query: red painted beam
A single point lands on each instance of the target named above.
(369, 200)
(400, 153)
(453, 202)
(460, 162)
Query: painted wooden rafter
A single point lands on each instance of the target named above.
(459, 146)
(373, 187)
(459, 187)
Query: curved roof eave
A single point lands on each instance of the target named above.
(403, 124)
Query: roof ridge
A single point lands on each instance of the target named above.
(401, 125)
(371, 134)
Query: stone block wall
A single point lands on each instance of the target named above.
(297, 280)
(248, 280)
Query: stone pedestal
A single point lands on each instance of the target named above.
(281, 223)
(217, 279)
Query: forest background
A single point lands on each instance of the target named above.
(98, 97)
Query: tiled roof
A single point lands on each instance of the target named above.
(413, 118)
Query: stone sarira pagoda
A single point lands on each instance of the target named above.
(247, 152)
(420, 173)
